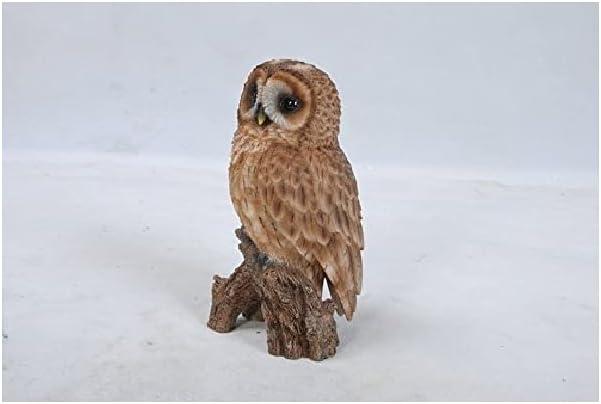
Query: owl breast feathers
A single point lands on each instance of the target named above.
(291, 184)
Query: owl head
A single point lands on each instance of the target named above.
(290, 99)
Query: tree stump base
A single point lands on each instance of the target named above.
(299, 324)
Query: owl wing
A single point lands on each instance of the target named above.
(312, 201)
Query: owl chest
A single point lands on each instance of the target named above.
(262, 187)
(247, 175)
(256, 164)
(248, 178)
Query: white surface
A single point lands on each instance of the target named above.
(468, 86)
(474, 290)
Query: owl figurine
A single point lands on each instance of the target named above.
(290, 182)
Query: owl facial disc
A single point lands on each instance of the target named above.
(280, 100)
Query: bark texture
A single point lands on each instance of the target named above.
(299, 324)
(239, 293)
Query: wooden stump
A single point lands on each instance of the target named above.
(237, 294)
(299, 324)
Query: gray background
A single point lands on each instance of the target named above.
(473, 86)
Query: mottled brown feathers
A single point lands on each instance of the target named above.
(295, 191)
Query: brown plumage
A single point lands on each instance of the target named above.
(291, 184)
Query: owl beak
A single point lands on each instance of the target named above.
(261, 115)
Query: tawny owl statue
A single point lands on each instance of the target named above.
(291, 184)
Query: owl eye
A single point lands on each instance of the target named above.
(289, 103)
(252, 94)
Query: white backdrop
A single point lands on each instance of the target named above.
(471, 86)
(472, 130)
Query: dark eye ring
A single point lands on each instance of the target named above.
(252, 94)
(289, 103)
